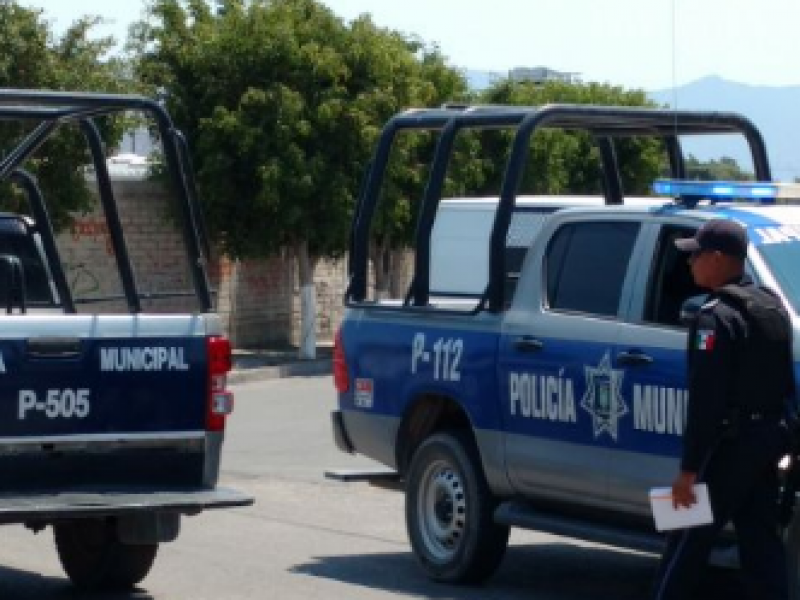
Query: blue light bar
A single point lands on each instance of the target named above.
(726, 190)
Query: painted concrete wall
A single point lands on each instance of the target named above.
(258, 300)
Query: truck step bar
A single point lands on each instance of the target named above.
(521, 514)
(382, 478)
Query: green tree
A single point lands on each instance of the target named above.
(282, 102)
(32, 57)
(432, 83)
(723, 169)
(568, 162)
(559, 162)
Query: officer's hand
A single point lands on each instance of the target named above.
(682, 492)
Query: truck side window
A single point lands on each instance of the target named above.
(525, 225)
(671, 279)
(586, 265)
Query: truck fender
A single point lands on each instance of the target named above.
(429, 413)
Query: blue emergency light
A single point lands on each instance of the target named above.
(761, 191)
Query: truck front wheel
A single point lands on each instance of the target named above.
(449, 512)
(94, 558)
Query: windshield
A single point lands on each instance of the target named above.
(783, 260)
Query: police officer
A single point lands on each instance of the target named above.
(739, 379)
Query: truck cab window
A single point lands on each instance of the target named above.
(16, 241)
(586, 265)
(525, 225)
(671, 281)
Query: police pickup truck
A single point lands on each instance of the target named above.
(555, 397)
(111, 425)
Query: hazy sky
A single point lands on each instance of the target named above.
(649, 44)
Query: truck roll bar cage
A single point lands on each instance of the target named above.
(54, 109)
(605, 123)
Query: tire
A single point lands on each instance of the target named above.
(450, 512)
(94, 559)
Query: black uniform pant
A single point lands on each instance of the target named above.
(742, 478)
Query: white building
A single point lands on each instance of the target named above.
(541, 75)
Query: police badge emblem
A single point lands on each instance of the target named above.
(603, 400)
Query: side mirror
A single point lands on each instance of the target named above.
(690, 309)
(12, 280)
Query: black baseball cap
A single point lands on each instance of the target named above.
(721, 235)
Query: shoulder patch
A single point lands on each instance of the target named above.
(705, 339)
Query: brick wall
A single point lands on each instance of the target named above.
(258, 300)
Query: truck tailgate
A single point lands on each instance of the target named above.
(100, 399)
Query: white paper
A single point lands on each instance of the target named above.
(667, 517)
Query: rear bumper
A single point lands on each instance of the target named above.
(48, 506)
(151, 460)
(98, 468)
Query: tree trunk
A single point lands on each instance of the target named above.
(402, 267)
(381, 258)
(308, 301)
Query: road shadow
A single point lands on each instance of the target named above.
(18, 584)
(541, 571)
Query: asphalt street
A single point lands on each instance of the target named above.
(307, 537)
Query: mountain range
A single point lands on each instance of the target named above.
(774, 110)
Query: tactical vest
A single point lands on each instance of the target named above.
(763, 378)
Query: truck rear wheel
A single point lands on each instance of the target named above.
(93, 557)
(449, 512)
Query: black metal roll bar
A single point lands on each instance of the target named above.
(54, 109)
(45, 229)
(188, 170)
(604, 123)
(111, 212)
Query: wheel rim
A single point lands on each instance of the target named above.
(442, 510)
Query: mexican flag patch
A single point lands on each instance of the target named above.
(705, 339)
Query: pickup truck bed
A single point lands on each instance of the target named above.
(111, 425)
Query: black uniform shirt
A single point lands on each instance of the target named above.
(731, 365)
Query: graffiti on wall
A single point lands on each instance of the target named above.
(82, 279)
(92, 229)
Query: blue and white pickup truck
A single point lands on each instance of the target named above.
(111, 425)
(555, 397)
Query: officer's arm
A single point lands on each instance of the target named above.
(710, 378)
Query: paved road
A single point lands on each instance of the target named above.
(307, 538)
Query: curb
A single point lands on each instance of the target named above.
(304, 368)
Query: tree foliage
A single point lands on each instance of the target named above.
(569, 162)
(558, 163)
(282, 102)
(722, 169)
(410, 160)
(32, 57)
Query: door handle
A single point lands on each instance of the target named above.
(633, 358)
(53, 347)
(528, 343)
